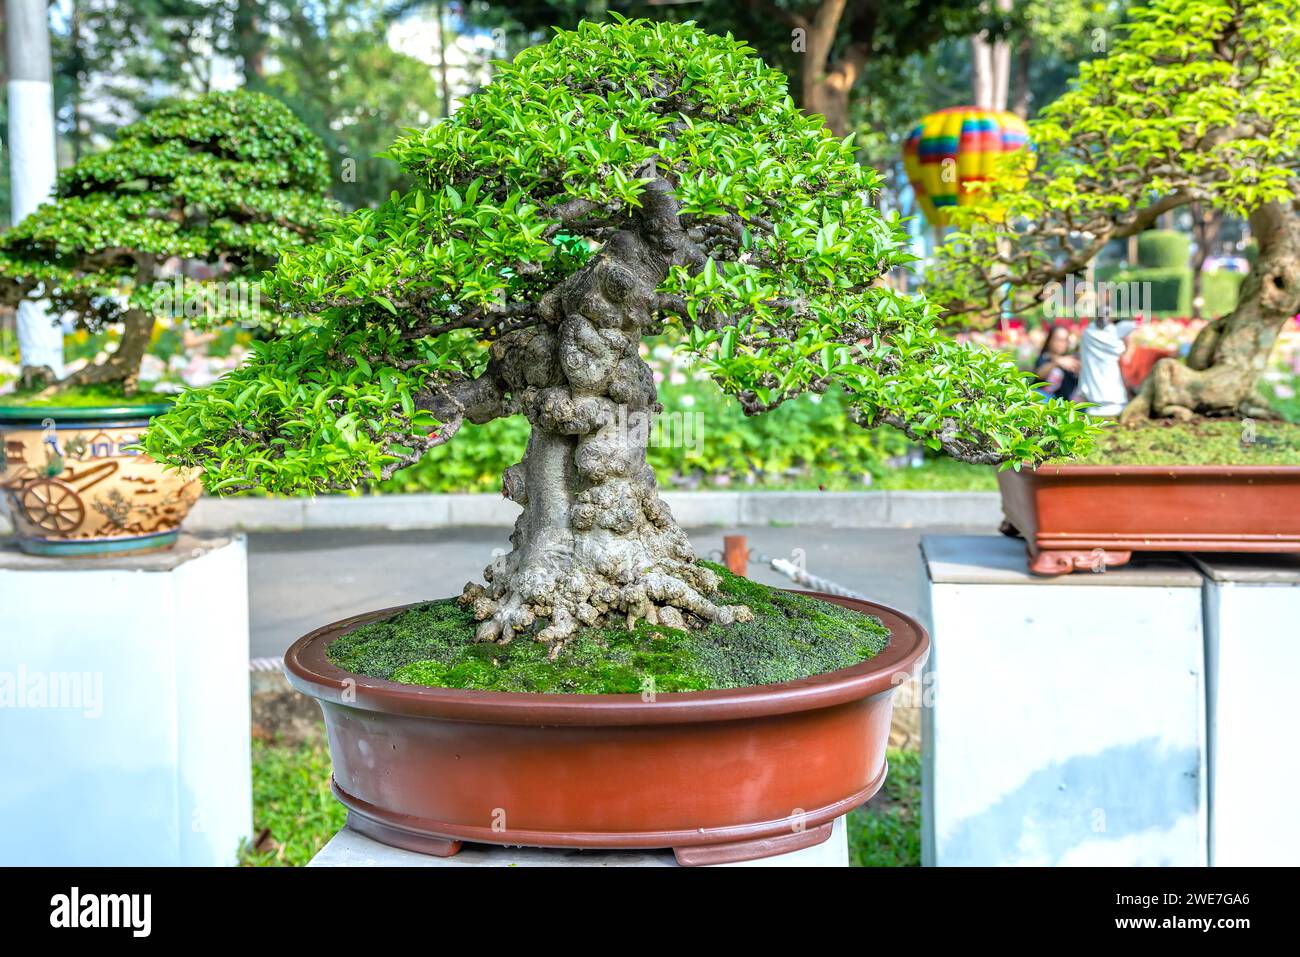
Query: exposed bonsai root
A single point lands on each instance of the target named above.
(111, 371)
(610, 554)
(1222, 368)
(596, 578)
(1179, 391)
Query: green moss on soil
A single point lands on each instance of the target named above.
(83, 397)
(1200, 442)
(791, 637)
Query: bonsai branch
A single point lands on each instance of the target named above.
(963, 450)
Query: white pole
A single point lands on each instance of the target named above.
(31, 158)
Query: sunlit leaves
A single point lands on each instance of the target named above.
(520, 187)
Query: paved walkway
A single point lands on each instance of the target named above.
(301, 580)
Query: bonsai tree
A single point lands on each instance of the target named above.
(229, 178)
(624, 176)
(1195, 103)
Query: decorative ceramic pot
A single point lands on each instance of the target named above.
(73, 486)
(1075, 517)
(718, 776)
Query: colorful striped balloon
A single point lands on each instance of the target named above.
(955, 147)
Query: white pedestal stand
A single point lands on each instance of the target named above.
(1065, 716)
(1252, 640)
(349, 849)
(124, 703)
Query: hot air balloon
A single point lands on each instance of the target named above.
(953, 148)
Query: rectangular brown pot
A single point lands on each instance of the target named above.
(1076, 517)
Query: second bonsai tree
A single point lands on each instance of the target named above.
(623, 176)
(227, 179)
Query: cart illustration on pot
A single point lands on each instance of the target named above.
(50, 504)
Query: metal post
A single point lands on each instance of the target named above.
(32, 163)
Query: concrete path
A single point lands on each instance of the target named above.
(301, 580)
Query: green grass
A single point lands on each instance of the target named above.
(790, 637)
(886, 832)
(83, 397)
(292, 802)
(1201, 442)
(291, 799)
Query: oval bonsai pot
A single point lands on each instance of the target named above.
(74, 487)
(718, 776)
(1075, 517)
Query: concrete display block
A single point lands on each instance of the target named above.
(347, 848)
(124, 704)
(1252, 605)
(1065, 718)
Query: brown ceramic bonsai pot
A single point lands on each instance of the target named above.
(718, 776)
(75, 486)
(1076, 517)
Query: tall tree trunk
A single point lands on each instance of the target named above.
(1022, 63)
(444, 82)
(32, 163)
(77, 74)
(594, 541)
(991, 67)
(1220, 373)
(250, 41)
(827, 87)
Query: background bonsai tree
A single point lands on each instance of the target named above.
(230, 179)
(1195, 103)
(623, 176)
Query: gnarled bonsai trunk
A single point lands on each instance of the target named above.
(595, 543)
(1220, 372)
(124, 364)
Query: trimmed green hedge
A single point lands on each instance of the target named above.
(1171, 289)
(1164, 249)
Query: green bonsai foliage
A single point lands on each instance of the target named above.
(229, 179)
(622, 176)
(518, 190)
(1195, 103)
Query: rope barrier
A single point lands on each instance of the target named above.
(803, 577)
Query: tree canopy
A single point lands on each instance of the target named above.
(605, 127)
